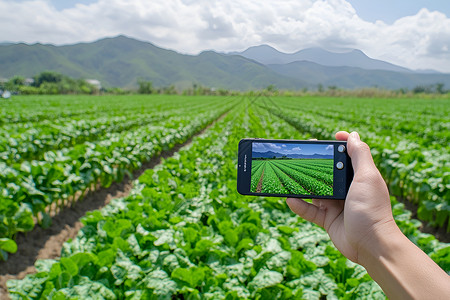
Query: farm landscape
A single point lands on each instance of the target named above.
(120, 123)
(289, 170)
(183, 231)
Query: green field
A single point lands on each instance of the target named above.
(293, 176)
(184, 232)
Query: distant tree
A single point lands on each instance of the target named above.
(403, 91)
(320, 88)
(198, 89)
(145, 87)
(47, 76)
(17, 80)
(332, 87)
(440, 88)
(437, 88)
(49, 88)
(271, 88)
(14, 83)
(28, 90)
(222, 92)
(50, 82)
(170, 90)
(116, 91)
(419, 89)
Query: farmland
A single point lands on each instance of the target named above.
(410, 142)
(297, 176)
(184, 231)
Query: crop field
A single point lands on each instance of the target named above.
(184, 232)
(293, 176)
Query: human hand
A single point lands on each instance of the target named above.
(352, 224)
(363, 229)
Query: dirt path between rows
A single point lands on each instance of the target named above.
(47, 243)
(259, 187)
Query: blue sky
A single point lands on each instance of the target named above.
(392, 10)
(289, 148)
(62, 4)
(413, 34)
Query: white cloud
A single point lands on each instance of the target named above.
(419, 41)
(258, 147)
(272, 146)
(263, 147)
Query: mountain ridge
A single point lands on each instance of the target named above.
(121, 61)
(352, 77)
(271, 154)
(349, 57)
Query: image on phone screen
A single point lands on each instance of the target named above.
(292, 168)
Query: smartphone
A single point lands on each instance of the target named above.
(294, 168)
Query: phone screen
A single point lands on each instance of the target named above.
(292, 168)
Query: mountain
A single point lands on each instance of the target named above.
(271, 154)
(352, 77)
(350, 57)
(120, 61)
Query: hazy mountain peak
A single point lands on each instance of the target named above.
(342, 57)
(262, 48)
(264, 54)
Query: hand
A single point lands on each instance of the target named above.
(363, 229)
(366, 210)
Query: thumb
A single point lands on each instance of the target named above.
(359, 152)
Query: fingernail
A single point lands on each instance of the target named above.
(355, 135)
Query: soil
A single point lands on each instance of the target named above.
(259, 187)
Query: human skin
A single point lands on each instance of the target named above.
(363, 229)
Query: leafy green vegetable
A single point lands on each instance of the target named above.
(184, 232)
(55, 163)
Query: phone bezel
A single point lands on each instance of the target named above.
(341, 177)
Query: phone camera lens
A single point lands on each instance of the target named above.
(340, 165)
(341, 148)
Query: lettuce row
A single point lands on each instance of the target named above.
(185, 232)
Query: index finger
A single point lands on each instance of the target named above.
(342, 135)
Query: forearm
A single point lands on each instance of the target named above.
(403, 270)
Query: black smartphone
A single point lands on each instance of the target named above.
(293, 168)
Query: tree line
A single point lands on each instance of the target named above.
(48, 83)
(51, 83)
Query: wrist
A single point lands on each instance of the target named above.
(401, 269)
(383, 243)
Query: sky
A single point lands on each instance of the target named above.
(289, 148)
(410, 33)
